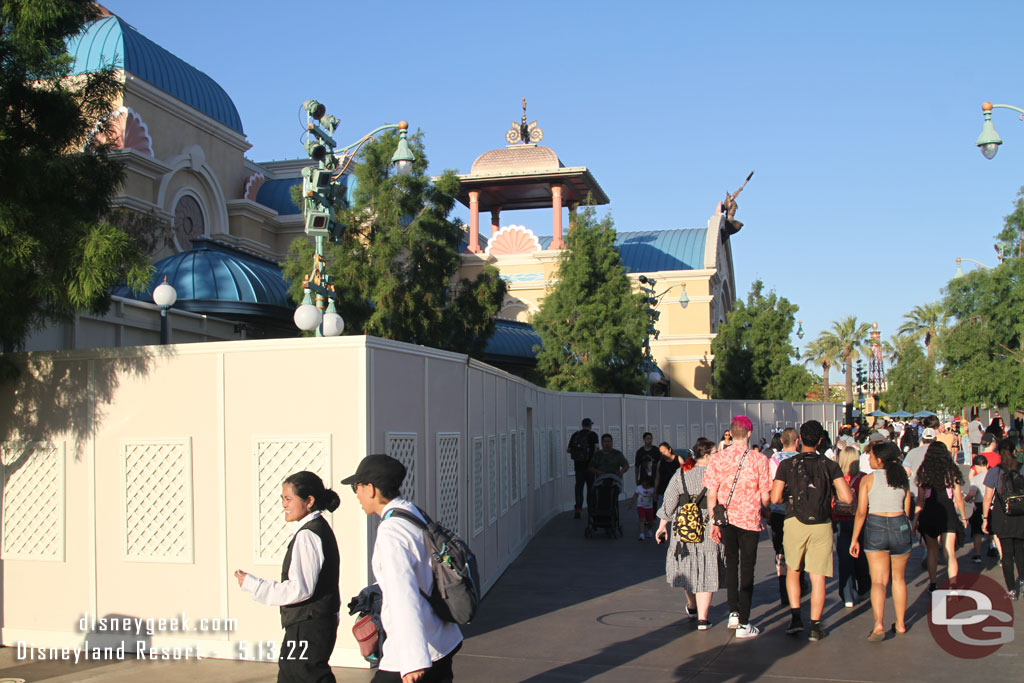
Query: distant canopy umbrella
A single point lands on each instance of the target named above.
(901, 413)
(923, 413)
(878, 413)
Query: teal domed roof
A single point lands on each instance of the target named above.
(215, 279)
(110, 41)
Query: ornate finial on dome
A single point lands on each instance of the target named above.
(521, 132)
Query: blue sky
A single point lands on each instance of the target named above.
(858, 118)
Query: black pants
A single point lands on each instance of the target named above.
(306, 648)
(584, 478)
(740, 554)
(439, 672)
(1013, 557)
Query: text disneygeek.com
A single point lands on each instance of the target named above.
(180, 623)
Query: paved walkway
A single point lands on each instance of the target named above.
(571, 609)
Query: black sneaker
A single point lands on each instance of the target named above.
(976, 559)
(931, 587)
(703, 625)
(691, 613)
(816, 633)
(796, 626)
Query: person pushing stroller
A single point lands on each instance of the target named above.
(607, 467)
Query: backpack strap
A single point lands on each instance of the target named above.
(405, 514)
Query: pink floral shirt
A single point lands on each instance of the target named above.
(745, 508)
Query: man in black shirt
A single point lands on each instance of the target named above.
(582, 445)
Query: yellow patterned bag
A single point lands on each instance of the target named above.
(689, 524)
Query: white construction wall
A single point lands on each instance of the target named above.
(136, 480)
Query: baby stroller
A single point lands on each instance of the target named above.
(603, 509)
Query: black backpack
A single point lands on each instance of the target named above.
(811, 495)
(455, 596)
(579, 447)
(1012, 493)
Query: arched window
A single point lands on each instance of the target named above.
(189, 221)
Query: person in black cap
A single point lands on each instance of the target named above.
(308, 591)
(420, 646)
(582, 445)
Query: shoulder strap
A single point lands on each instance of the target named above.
(407, 515)
(685, 497)
(737, 477)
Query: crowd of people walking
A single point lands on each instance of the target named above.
(859, 504)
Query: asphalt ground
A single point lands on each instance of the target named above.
(576, 609)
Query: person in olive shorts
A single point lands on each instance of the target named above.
(804, 542)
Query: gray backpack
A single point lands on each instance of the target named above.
(455, 596)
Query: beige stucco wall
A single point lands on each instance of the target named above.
(154, 472)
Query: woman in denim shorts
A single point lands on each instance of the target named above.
(883, 509)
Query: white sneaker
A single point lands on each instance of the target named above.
(734, 619)
(847, 604)
(747, 631)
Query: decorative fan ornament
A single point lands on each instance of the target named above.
(123, 128)
(512, 239)
(253, 184)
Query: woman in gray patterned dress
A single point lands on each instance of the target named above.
(694, 567)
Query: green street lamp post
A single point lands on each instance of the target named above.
(960, 271)
(322, 195)
(648, 366)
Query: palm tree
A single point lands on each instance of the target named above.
(822, 353)
(894, 347)
(851, 339)
(925, 322)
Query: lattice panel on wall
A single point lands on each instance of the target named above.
(33, 501)
(695, 432)
(681, 441)
(709, 433)
(616, 437)
(492, 479)
(653, 429)
(555, 462)
(276, 457)
(522, 464)
(668, 435)
(402, 447)
(156, 496)
(537, 464)
(448, 512)
(478, 485)
(513, 454)
(503, 484)
(631, 445)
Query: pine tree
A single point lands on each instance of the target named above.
(753, 357)
(592, 324)
(57, 256)
(396, 264)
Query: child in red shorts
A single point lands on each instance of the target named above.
(643, 498)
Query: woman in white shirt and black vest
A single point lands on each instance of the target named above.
(308, 590)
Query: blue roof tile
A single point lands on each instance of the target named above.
(651, 251)
(276, 195)
(111, 41)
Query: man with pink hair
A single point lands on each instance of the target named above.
(738, 488)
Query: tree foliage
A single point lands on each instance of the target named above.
(396, 265)
(983, 362)
(753, 356)
(57, 255)
(849, 339)
(591, 323)
(925, 322)
(822, 353)
(912, 383)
